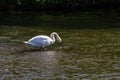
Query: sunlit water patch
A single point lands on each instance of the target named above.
(56, 65)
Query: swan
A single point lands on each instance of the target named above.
(42, 41)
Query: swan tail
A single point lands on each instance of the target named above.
(26, 42)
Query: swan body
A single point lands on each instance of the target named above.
(41, 41)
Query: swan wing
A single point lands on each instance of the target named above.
(40, 41)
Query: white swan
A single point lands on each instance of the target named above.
(41, 41)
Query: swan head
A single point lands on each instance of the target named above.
(59, 39)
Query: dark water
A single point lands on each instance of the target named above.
(84, 54)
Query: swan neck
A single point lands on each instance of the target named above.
(55, 35)
(52, 36)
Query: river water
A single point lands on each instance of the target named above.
(84, 54)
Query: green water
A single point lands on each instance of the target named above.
(84, 54)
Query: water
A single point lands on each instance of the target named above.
(84, 54)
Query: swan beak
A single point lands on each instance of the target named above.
(60, 41)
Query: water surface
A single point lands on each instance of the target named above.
(83, 54)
